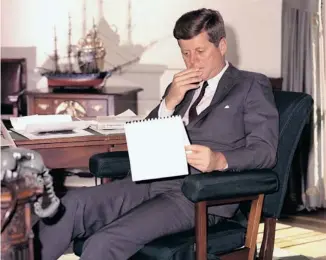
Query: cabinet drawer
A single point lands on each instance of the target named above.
(118, 148)
(97, 107)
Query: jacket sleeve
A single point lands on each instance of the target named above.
(261, 122)
(154, 112)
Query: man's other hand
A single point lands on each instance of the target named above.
(182, 82)
(204, 159)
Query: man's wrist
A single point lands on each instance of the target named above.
(221, 162)
(163, 110)
(169, 104)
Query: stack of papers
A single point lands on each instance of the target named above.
(49, 126)
(58, 126)
(114, 124)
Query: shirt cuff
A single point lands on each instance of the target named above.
(163, 111)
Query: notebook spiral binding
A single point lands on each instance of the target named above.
(152, 119)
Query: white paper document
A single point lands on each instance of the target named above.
(114, 124)
(49, 126)
(109, 131)
(6, 139)
(22, 123)
(156, 148)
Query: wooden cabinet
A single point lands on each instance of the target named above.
(109, 101)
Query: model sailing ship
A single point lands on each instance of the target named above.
(89, 55)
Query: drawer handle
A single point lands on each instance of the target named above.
(43, 106)
(97, 107)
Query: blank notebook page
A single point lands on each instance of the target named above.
(156, 148)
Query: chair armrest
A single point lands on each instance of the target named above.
(223, 185)
(110, 165)
(13, 97)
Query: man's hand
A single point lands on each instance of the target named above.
(204, 159)
(182, 82)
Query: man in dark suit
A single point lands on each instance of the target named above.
(232, 124)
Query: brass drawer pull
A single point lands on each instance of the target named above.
(43, 106)
(97, 107)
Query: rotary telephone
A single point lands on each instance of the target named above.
(21, 163)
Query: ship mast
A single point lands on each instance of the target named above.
(70, 67)
(56, 56)
(129, 23)
(100, 10)
(94, 47)
(84, 19)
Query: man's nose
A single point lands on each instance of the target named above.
(193, 60)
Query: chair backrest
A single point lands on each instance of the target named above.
(276, 83)
(13, 77)
(294, 110)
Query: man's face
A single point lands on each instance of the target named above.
(199, 52)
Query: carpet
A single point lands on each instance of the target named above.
(279, 254)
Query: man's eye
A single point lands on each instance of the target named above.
(186, 53)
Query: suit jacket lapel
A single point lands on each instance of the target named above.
(224, 86)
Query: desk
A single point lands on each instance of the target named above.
(72, 152)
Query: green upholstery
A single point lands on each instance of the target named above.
(222, 237)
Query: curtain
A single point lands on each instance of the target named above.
(314, 195)
(303, 70)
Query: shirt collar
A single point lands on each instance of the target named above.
(213, 82)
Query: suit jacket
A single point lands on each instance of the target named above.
(241, 121)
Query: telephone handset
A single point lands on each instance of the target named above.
(20, 162)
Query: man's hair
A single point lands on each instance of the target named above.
(195, 22)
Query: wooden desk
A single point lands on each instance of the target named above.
(72, 152)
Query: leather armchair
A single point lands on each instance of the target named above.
(260, 193)
(13, 86)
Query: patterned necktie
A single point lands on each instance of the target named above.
(192, 109)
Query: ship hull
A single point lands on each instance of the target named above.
(76, 79)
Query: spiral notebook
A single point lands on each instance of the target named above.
(156, 148)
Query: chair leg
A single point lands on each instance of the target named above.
(267, 246)
(253, 225)
(201, 230)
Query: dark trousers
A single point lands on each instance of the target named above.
(119, 218)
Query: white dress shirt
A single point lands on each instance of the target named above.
(203, 104)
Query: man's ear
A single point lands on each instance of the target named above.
(223, 46)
